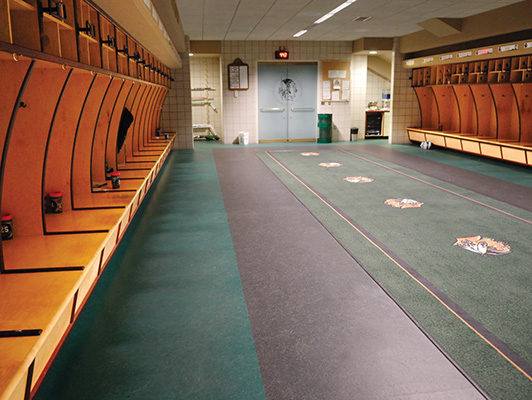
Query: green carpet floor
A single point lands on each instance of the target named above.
(491, 290)
(167, 320)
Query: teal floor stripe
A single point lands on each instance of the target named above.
(168, 319)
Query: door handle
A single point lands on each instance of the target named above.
(272, 109)
(302, 109)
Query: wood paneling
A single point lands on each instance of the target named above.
(59, 118)
(468, 111)
(22, 183)
(57, 170)
(81, 164)
(449, 113)
(102, 131)
(507, 113)
(429, 107)
(486, 111)
(523, 93)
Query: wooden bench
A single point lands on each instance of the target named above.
(79, 221)
(44, 301)
(518, 152)
(47, 278)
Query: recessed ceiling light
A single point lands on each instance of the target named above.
(372, 52)
(190, 54)
(301, 33)
(336, 10)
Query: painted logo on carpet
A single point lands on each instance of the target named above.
(330, 164)
(403, 203)
(358, 179)
(483, 246)
(309, 154)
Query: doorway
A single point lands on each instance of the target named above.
(206, 96)
(287, 102)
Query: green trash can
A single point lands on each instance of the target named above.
(325, 125)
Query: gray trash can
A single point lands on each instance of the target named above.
(354, 132)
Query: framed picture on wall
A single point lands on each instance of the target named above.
(238, 75)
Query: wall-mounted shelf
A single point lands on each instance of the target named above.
(19, 24)
(21, 5)
(516, 69)
(77, 30)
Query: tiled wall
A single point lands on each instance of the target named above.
(359, 74)
(205, 72)
(375, 86)
(176, 115)
(405, 107)
(241, 109)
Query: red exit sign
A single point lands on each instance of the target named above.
(281, 55)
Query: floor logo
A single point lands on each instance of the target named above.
(483, 246)
(358, 179)
(330, 164)
(403, 203)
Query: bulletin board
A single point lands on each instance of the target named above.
(336, 80)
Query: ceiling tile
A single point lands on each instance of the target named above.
(281, 19)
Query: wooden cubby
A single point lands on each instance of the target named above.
(523, 94)
(19, 23)
(448, 111)
(486, 111)
(88, 28)
(468, 111)
(484, 108)
(429, 107)
(508, 123)
(108, 45)
(133, 56)
(64, 89)
(76, 30)
(141, 61)
(122, 52)
(58, 36)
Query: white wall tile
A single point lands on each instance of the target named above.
(237, 114)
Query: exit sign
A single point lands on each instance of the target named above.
(281, 55)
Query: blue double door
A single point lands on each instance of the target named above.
(287, 102)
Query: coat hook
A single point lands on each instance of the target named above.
(16, 56)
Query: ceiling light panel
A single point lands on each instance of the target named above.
(300, 33)
(345, 4)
